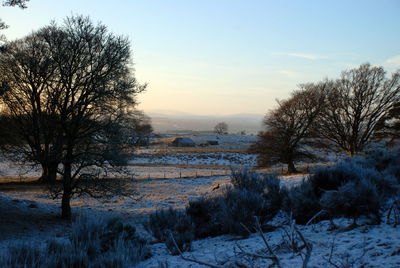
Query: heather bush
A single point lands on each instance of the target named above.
(100, 242)
(240, 207)
(330, 189)
(331, 178)
(353, 200)
(302, 202)
(245, 179)
(169, 224)
(23, 255)
(268, 185)
(203, 214)
(252, 195)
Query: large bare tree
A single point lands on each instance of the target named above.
(289, 128)
(27, 73)
(87, 93)
(355, 103)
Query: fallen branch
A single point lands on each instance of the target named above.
(274, 258)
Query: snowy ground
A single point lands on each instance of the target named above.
(211, 159)
(366, 246)
(225, 141)
(170, 177)
(374, 246)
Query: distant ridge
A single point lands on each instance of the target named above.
(173, 121)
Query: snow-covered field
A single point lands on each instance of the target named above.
(170, 177)
(365, 246)
(224, 141)
(210, 159)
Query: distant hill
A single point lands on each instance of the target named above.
(174, 121)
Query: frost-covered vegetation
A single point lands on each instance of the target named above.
(355, 188)
(94, 242)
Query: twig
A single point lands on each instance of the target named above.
(309, 248)
(320, 213)
(274, 258)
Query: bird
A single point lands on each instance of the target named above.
(215, 187)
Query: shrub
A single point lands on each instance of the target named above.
(387, 162)
(99, 243)
(232, 213)
(239, 209)
(302, 202)
(353, 200)
(331, 178)
(166, 223)
(268, 185)
(22, 255)
(245, 179)
(203, 214)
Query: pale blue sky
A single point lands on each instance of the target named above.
(227, 57)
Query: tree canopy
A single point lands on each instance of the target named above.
(69, 88)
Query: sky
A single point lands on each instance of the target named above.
(220, 57)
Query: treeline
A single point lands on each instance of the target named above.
(342, 114)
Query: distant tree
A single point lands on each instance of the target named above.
(139, 128)
(221, 128)
(87, 95)
(289, 128)
(355, 104)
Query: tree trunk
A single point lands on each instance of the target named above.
(49, 173)
(65, 205)
(67, 191)
(291, 168)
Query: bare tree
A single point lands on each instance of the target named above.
(139, 126)
(221, 128)
(290, 127)
(11, 3)
(354, 105)
(89, 93)
(26, 89)
(388, 127)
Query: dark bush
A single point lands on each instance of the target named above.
(268, 185)
(331, 178)
(239, 209)
(84, 248)
(252, 195)
(204, 216)
(302, 202)
(245, 179)
(170, 223)
(353, 200)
